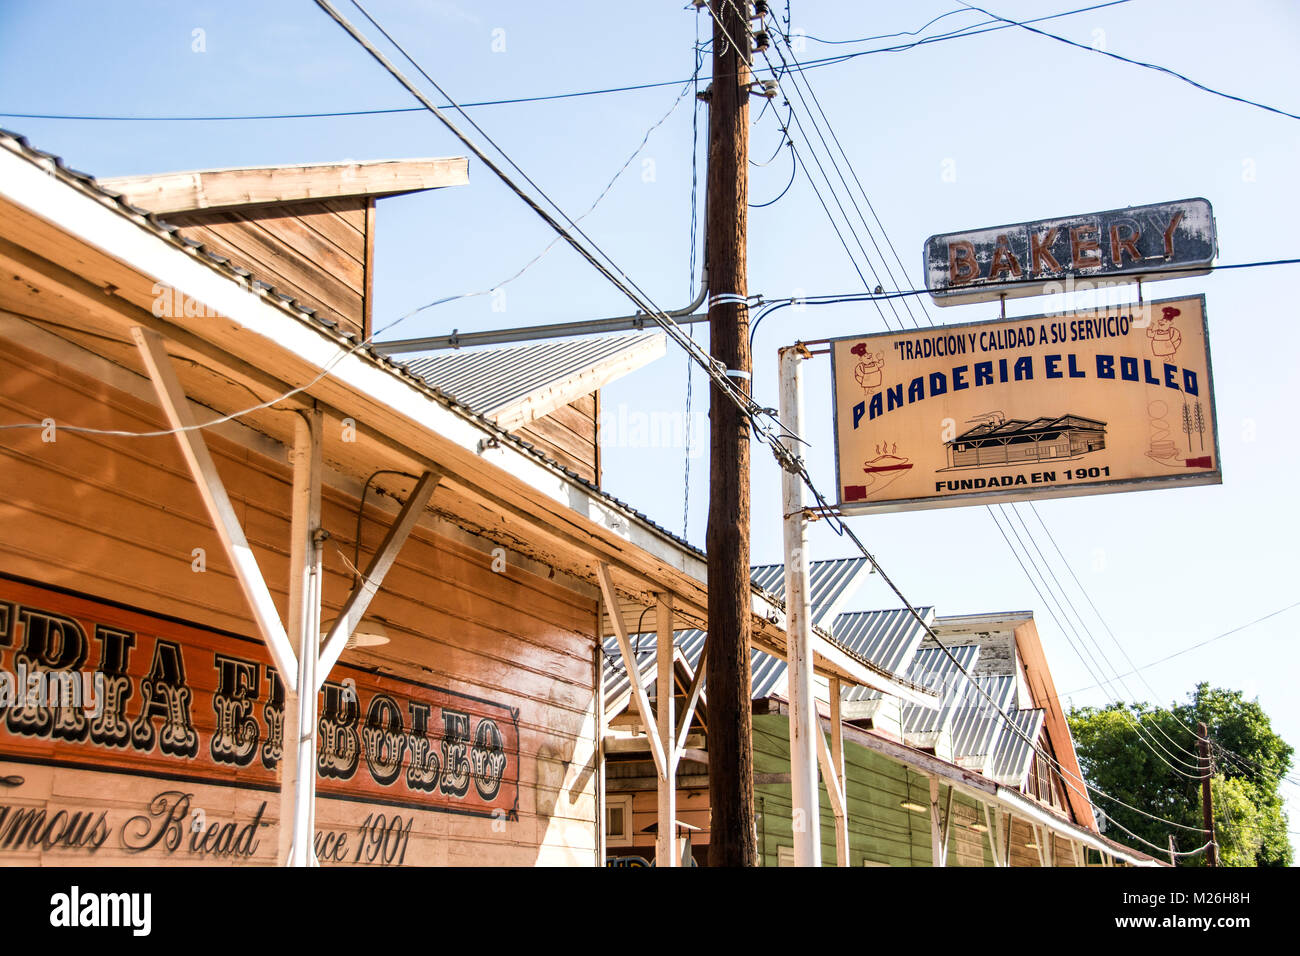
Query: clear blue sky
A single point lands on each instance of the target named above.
(1028, 127)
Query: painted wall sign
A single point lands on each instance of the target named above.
(1102, 248)
(161, 698)
(1035, 407)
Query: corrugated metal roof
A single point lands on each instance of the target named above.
(767, 670)
(934, 669)
(830, 584)
(170, 233)
(488, 380)
(1012, 754)
(975, 721)
(888, 639)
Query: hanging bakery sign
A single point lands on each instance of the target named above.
(1171, 240)
(1036, 407)
(96, 686)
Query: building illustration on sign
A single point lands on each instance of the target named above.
(1007, 442)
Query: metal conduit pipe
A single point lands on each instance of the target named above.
(621, 323)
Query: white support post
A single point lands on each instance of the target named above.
(175, 405)
(834, 789)
(298, 772)
(373, 576)
(991, 821)
(938, 826)
(1038, 844)
(629, 664)
(805, 801)
(665, 687)
(692, 701)
(837, 760)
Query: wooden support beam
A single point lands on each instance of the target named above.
(1038, 844)
(665, 699)
(692, 698)
(189, 191)
(371, 579)
(629, 663)
(174, 404)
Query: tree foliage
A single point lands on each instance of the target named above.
(1156, 771)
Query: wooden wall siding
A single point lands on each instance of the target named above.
(880, 830)
(315, 251)
(119, 518)
(568, 435)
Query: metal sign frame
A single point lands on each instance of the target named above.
(1168, 240)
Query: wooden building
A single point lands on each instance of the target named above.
(940, 782)
(225, 516)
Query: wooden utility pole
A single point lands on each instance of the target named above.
(733, 840)
(1207, 800)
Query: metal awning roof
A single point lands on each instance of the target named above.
(889, 639)
(932, 668)
(512, 386)
(1012, 754)
(830, 585)
(975, 722)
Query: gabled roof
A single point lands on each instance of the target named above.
(211, 189)
(513, 386)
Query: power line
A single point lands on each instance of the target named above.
(328, 114)
(1124, 59)
(1188, 650)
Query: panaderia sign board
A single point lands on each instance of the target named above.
(1035, 407)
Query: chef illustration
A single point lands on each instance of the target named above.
(1165, 338)
(870, 367)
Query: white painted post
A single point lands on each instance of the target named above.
(837, 758)
(938, 849)
(805, 801)
(304, 631)
(992, 822)
(213, 492)
(368, 586)
(666, 838)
